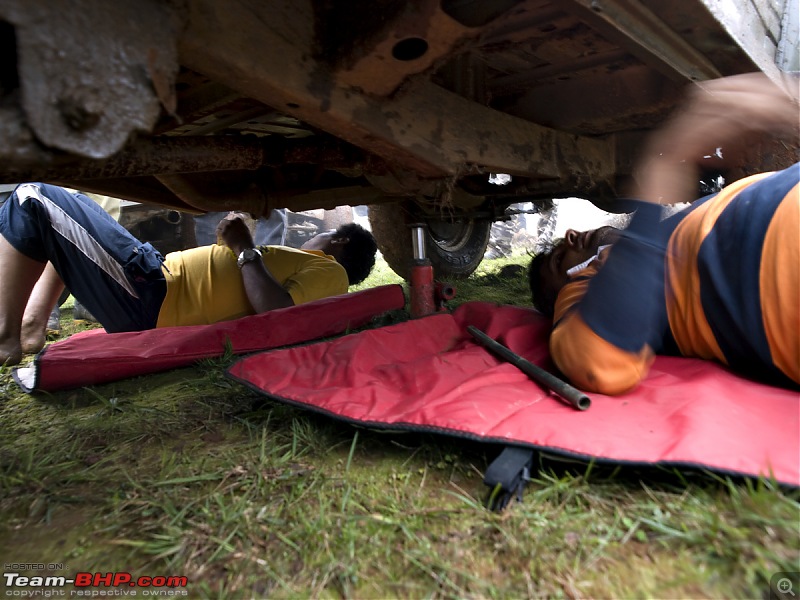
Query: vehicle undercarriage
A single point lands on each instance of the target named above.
(407, 107)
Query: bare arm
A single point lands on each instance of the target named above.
(719, 113)
(263, 292)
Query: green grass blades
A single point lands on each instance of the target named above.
(187, 473)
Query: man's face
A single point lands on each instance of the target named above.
(575, 248)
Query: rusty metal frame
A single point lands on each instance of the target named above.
(636, 29)
(425, 129)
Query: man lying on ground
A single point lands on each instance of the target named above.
(128, 286)
(720, 280)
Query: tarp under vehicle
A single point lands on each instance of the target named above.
(430, 375)
(95, 357)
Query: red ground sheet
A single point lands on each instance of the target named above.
(429, 374)
(94, 357)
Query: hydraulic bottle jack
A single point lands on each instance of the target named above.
(427, 296)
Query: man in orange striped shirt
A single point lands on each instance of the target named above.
(720, 280)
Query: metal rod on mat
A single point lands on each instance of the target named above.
(573, 396)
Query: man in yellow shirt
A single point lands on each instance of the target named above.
(223, 282)
(128, 286)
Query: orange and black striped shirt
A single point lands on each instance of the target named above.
(720, 280)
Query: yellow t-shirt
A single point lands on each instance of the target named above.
(204, 285)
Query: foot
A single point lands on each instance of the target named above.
(54, 322)
(32, 337)
(81, 313)
(10, 352)
(32, 344)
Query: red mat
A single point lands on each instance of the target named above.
(430, 375)
(94, 357)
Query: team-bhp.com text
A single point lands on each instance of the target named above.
(94, 584)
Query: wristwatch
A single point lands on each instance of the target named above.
(247, 255)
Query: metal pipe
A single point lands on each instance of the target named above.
(569, 394)
(418, 241)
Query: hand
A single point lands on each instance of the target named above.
(232, 231)
(717, 114)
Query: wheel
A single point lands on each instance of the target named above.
(455, 246)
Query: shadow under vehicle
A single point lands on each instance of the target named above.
(407, 107)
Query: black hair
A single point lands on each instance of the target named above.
(544, 300)
(358, 255)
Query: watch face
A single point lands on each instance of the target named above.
(247, 255)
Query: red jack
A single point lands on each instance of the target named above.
(426, 296)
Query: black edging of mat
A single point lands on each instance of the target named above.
(416, 428)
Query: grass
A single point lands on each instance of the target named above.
(187, 473)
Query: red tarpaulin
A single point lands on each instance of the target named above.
(94, 357)
(430, 375)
